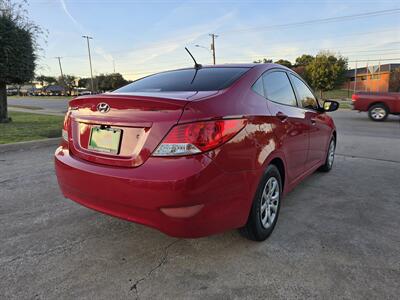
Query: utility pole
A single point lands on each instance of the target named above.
(213, 37)
(114, 65)
(355, 79)
(90, 60)
(379, 74)
(366, 86)
(61, 71)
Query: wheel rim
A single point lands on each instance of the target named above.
(269, 202)
(378, 113)
(331, 153)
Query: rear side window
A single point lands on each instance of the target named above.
(306, 97)
(206, 79)
(278, 89)
(258, 87)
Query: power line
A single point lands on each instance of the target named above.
(336, 36)
(275, 53)
(278, 26)
(388, 53)
(229, 47)
(271, 27)
(318, 21)
(378, 59)
(245, 60)
(183, 62)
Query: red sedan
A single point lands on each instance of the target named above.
(196, 151)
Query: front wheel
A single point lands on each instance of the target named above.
(265, 209)
(378, 112)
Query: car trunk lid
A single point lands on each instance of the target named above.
(133, 126)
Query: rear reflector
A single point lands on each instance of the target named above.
(182, 212)
(192, 138)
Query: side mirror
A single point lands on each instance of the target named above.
(330, 105)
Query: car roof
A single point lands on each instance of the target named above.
(236, 65)
(228, 65)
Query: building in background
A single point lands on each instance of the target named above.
(374, 78)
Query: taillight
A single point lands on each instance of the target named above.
(354, 97)
(65, 135)
(64, 132)
(198, 137)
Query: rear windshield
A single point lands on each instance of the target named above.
(206, 79)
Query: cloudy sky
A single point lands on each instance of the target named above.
(143, 37)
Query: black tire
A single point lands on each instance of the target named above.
(378, 112)
(327, 166)
(254, 228)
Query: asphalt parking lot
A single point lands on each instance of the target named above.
(55, 105)
(338, 236)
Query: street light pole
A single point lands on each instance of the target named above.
(213, 36)
(90, 60)
(200, 46)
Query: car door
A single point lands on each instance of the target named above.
(290, 124)
(320, 131)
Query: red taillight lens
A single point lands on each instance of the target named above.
(66, 126)
(198, 137)
(354, 97)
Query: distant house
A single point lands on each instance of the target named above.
(375, 78)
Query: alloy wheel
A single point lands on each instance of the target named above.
(269, 202)
(331, 153)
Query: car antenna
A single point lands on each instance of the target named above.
(196, 65)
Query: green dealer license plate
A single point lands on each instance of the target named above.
(105, 139)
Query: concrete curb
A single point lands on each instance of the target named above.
(23, 146)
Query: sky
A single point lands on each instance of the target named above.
(144, 37)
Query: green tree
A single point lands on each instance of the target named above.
(326, 71)
(46, 79)
(108, 82)
(69, 82)
(300, 66)
(262, 61)
(17, 49)
(84, 83)
(304, 60)
(284, 62)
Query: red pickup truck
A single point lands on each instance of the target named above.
(378, 105)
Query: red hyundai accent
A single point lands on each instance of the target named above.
(196, 151)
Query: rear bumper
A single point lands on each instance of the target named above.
(221, 199)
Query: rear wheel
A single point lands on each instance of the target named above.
(378, 112)
(265, 209)
(330, 157)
